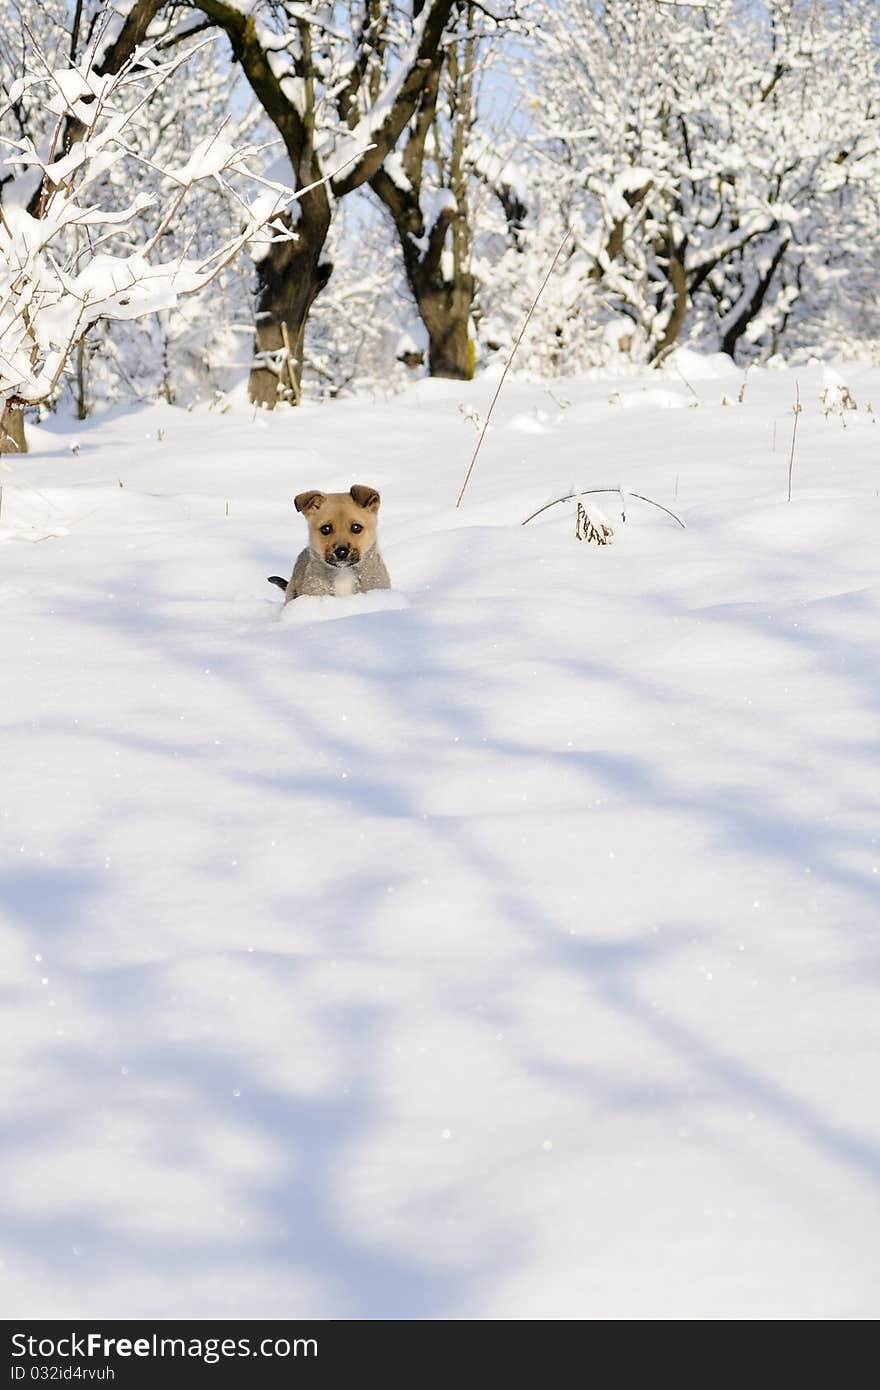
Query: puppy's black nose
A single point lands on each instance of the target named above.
(341, 552)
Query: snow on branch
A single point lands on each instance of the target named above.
(69, 259)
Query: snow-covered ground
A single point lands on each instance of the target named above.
(506, 947)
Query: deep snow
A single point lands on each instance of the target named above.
(506, 946)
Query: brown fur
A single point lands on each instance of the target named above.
(338, 522)
(351, 517)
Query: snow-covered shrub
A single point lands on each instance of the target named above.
(202, 345)
(85, 242)
(718, 163)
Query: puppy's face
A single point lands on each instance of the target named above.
(342, 525)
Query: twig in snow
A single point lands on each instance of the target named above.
(686, 382)
(588, 528)
(589, 490)
(467, 477)
(797, 411)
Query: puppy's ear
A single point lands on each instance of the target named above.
(366, 497)
(308, 501)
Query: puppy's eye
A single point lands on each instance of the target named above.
(356, 528)
(326, 529)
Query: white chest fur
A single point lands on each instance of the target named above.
(344, 583)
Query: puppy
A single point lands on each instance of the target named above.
(342, 556)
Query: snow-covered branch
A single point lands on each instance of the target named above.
(71, 262)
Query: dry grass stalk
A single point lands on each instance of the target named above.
(467, 477)
(797, 415)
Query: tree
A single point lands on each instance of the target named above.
(56, 31)
(66, 260)
(339, 82)
(190, 351)
(424, 187)
(704, 149)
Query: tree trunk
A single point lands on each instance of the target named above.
(752, 304)
(445, 310)
(444, 305)
(82, 404)
(680, 303)
(12, 438)
(289, 279)
(437, 255)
